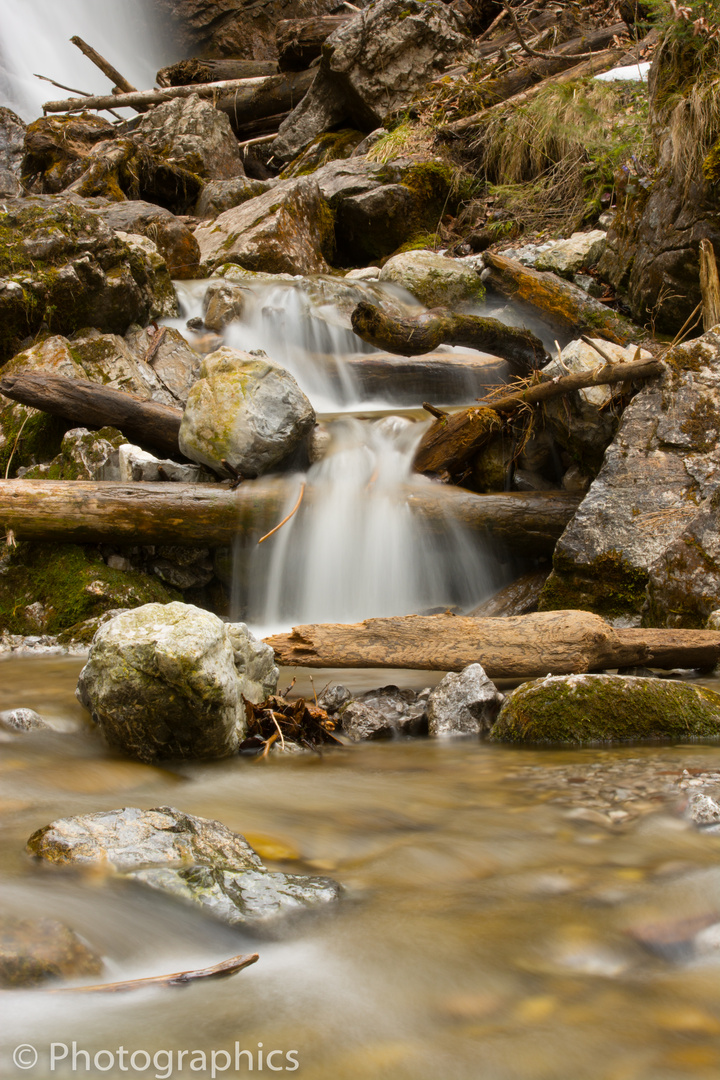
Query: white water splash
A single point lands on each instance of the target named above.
(34, 38)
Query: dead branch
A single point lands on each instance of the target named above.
(223, 970)
(287, 518)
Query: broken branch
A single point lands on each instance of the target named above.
(223, 970)
(294, 509)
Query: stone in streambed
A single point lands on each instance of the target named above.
(167, 681)
(606, 708)
(463, 703)
(245, 409)
(579, 252)
(192, 858)
(33, 951)
(435, 280)
(384, 714)
(23, 720)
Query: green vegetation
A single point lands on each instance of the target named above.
(607, 708)
(608, 585)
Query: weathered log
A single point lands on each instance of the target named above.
(105, 66)
(152, 97)
(212, 515)
(276, 94)
(188, 72)
(442, 377)
(83, 402)
(519, 647)
(452, 440)
(415, 335)
(299, 41)
(560, 303)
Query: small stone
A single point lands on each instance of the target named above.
(464, 703)
(703, 809)
(34, 951)
(23, 720)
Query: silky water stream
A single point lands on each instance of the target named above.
(511, 914)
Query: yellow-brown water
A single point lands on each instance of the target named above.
(490, 930)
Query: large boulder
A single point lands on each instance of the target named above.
(62, 266)
(192, 858)
(35, 951)
(167, 681)
(220, 195)
(373, 66)
(435, 280)
(175, 363)
(288, 230)
(645, 541)
(244, 409)
(606, 708)
(463, 703)
(173, 239)
(57, 149)
(192, 134)
(12, 139)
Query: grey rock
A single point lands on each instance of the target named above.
(435, 280)
(156, 268)
(174, 240)
(161, 682)
(195, 859)
(385, 713)
(287, 230)
(366, 273)
(256, 661)
(245, 409)
(518, 598)
(36, 951)
(12, 138)
(173, 361)
(372, 67)
(527, 480)
(23, 720)
(463, 703)
(334, 697)
(90, 455)
(220, 195)
(703, 809)
(107, 359)
(646, 535)
(137, 464)
(192, 133)
(223, 302)
(579, 252)
(182, 567)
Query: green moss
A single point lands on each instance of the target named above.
(608, 586)
(29, 437)
(72, 583)
(607, 708)
(332, 146)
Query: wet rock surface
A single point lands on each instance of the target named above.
(12, 137)
(606, 708)
(463, 703)
(192, 858)
(382, 714)
(244, 409)
(168, 682)
(35, 951)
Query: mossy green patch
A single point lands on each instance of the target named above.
(72, 583)
(583, 709)
(609, 586)
(27, 437)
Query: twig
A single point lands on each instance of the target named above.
(516, 27)
(85, 93)
(152, 350)
(495, 23)
(17, 440)
(282, 738)
(601, 352)
(294, 509)
(222, 970)
(437, 413)
(268, 744)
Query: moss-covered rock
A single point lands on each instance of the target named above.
(607, 708)
(332, 146)
(435, 280)
(50, 587)
(84, 455)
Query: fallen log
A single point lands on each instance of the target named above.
(444, 377)
(189, 72)
(560, 303)
(152, 97)
(83, 402)
(299, 41)
(449, 444)
(223, 970)
(276, 94)
(518, 647)
(213, 515)
(105, 66)
(418, 334)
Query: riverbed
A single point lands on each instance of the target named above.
(510, 914)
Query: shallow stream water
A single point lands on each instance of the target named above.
(510, 914)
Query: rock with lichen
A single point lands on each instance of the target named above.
(434, 279)
(645, 541)
(191, 858)
(606, 708)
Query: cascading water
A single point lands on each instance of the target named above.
(34, 37)
(355, 548)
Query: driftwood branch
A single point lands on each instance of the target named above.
(211, 515)
(222, 970)
(83, 402)
(415, 335)
(105, 66)
(709, 285)
(607, 375)
(152, 97)
(523, 646)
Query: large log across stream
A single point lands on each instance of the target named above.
(520, 647)
(85, 511)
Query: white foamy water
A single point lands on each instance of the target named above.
(35, 39)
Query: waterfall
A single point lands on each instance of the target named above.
(34, 39)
